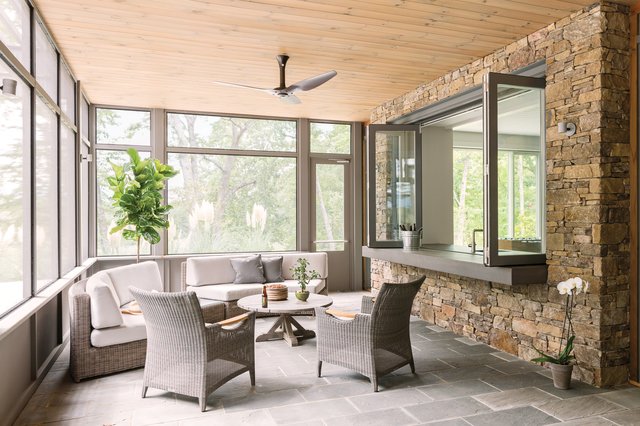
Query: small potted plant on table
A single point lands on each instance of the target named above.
(560, 364)
(300, 273)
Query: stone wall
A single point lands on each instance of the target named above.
(587, 57)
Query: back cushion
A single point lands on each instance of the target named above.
(105, 312)
(145, 275)
(317, 261)
(210, 270)
(101, 278)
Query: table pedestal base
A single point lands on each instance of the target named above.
(283, 328)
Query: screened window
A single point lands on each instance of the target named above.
(208, 131)
(330, 138)
(46, 63)
(68, 199)
(84, 118)
(123, 127)
(15, 129)
(15, 30)
(67, 93)
(111, 244)
(46, 195)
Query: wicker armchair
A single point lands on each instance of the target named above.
(374, 342)
(187, 356)
(87, 360)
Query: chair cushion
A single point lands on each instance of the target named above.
(231, 292)
(226, 292)
(145, 275)
(248, 270)
(272, 267)
(132, 329)
(209, 270)
(104, 309)
(101, 277)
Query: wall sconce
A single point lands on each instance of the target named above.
(8, 86)
(567, 128)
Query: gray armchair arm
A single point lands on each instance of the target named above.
(367, 304)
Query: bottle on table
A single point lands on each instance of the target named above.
(265, 300)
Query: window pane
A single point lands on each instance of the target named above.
(15, 129)
(207, 131)
(84, 117)
(520, 144)
(111, 244)
(231, 203)
(46, 63)
(330, 138)
(46, 195)
(68, 197)
(15, 29)
(123, 127)
(67, 94)
(84, 204)
(330, 207)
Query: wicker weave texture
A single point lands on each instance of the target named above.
(186, 356)
(89, 361)
(375, 343)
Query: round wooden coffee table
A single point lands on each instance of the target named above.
(283, 328)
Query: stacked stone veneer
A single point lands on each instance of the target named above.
(587, 57)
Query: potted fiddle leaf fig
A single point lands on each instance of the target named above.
(303, 276)
(137, 198)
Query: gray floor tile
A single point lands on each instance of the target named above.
(256, 401)
(388, 399)
(574, 408)
(452, 422)
(457, 389)
(312, 411)
(459, 361)
(443, 410)
(521, 416)
(515, 381)
(629, 398)
(577, 389)
(332, 391)
(517, 367)
(627, 417)
(392, 416)
(515, 398)
(590, 421)
(242, 418)
(466, 373)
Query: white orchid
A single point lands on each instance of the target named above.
(573, 284)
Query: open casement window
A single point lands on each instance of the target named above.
(514, 176)
(394, 182)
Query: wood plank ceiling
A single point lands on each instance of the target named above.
(167, 53)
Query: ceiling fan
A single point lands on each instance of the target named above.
(286, 93)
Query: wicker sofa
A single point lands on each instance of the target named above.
(212, 277)
(110, 344)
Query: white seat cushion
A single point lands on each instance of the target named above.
(132, 329)
(226, 292)
(231, 292)
(145, 275)
(104, 309)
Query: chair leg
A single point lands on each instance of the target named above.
(319, 368)
(144, 391)
(203, 403)
(252, 376)
(413, 366)
(374, 382)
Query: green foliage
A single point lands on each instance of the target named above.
(300, 273)
(137, 198)
(563, 358)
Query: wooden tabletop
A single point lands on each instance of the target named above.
(254, 303)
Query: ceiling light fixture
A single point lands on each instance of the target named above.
(8, 86)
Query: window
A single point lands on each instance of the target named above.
(15, 129)
(46, 194)
(15, 29)
(123, 127)
(208, 131)
(46, 63)
(330, 138)
(68, 199)
(232, 203)
(67, 93)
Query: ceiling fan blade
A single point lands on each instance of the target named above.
(243, 86)
(290, 99)
(312, 82)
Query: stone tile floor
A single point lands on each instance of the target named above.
(458, 382)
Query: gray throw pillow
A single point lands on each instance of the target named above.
(272, 267)
(248, 270)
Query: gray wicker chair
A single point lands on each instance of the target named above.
(374, 342)
(187, 356)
